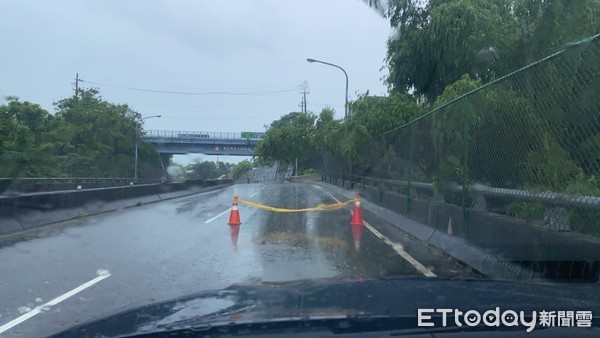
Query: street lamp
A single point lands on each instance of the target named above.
(346, 74)
(137, 133)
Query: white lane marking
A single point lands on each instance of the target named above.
(55, 301)
(254, 194)
(400, 250)
(219, 215)
(397, 247)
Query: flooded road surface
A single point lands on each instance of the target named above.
(61, 276)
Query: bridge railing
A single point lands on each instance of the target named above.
(194, 135)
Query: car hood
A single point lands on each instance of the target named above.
(338, 299)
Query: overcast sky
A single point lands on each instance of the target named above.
(257, 46)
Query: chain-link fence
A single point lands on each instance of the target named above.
(526, 145)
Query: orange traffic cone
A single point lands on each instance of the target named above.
(234, 216)
(357, 214)
(234, 222)
(357, 224)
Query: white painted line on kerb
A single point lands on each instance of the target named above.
(219, 215)
(400, 250)
(397, 247)
(254, 194)
(103, 274)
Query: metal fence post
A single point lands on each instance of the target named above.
(410, 162)
(465, 169)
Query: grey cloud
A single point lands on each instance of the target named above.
(193, 46)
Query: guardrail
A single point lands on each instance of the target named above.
(299, 177)
(39, 184)
(489, 243)
(555, 203)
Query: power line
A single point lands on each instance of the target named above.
(211, 117)
(226, 104)
(193, 93)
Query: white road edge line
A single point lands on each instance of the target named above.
(397, 247)
(53, 302)
(219, 215)
(400, 250)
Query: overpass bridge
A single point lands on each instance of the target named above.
(209, 143)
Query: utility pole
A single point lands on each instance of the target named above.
(77, 80)
(304, 107)
(303, 104)
(304, 99)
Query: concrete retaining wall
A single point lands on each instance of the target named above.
(33, 210)
(484, 238)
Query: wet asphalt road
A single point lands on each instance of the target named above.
(169, 249)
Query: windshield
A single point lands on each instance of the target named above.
(153, 151)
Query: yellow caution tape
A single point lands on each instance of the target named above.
(320, 207)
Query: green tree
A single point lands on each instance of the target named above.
(103, 135)
(288, 138)
(203, 170)
(86, 137)
(242, 168)
(359, 141)
(325, 125)
(439, 41)
(22, 129)
(177, 172)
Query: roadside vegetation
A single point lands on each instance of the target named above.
(86, 136)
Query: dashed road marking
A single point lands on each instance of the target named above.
(396, 246)
(219, 215)
(254, 194)
(102, 274)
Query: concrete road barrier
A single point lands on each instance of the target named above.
(33, 210)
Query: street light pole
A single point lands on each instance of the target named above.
(137, 136)
(135, 171)
(345, 74)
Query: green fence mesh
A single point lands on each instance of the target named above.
(526, 145)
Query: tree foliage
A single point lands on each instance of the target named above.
(289, 138)
(207, 170)
(86, 137)
(324, 139)
(439, 41)
(242, 169)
